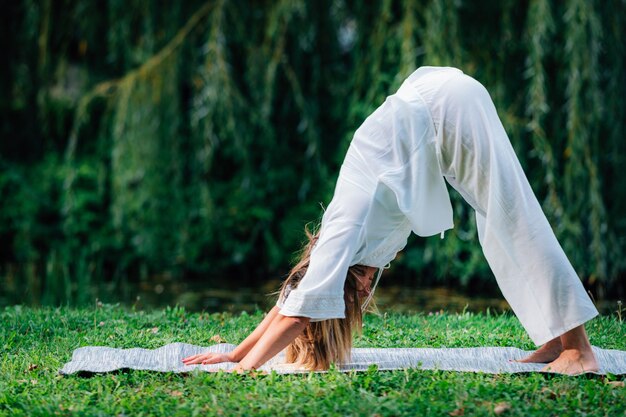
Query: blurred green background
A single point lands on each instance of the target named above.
(179, 147)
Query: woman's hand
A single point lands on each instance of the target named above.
(208, 358)
(240, 351)
(270, 337)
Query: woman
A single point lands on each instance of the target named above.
(440, 124)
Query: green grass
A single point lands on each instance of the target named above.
(37, 342)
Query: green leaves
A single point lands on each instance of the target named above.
(206, 134)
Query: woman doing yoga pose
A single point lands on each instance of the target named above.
(440, 124)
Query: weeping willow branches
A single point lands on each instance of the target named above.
(145, 180)
(441, 37)
(408, 44)
(109, 88)
(584, 112)
(540, 28)
(208, 154)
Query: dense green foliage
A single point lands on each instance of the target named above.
(195, 139)
(36, 343)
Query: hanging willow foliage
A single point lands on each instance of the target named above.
(441, 34)
(539, 33)
(195, 139)
(612, 155)
(586, 212)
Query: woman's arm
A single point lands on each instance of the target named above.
(281, 332)
(244, 347)
(241, 350)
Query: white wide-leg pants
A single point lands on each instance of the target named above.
(477, 159)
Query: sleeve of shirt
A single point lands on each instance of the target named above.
(320, 294)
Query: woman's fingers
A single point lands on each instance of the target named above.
(216, 358)
(191, 360)
(205, 359)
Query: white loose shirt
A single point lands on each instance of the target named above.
(390, 184)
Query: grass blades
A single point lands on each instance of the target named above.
(37, 342)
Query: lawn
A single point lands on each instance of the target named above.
(37, 342)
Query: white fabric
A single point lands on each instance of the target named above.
(169, 358)
(440, 123)
(389, 184)
(478, 160)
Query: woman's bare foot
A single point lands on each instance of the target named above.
(546, 353)
(569, 354)
(577, 356)
(573, 362)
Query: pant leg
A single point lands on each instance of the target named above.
(529, 264)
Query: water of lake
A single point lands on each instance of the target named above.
(196, 297)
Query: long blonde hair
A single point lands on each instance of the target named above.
(328, 341)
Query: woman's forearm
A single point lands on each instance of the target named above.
(282, 331)
(244, 347)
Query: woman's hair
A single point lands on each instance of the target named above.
(328, 341)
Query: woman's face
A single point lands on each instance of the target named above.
(364, 279)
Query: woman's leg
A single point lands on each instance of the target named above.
(530, 266)
(570, 352)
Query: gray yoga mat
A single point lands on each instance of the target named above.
(479, 359)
